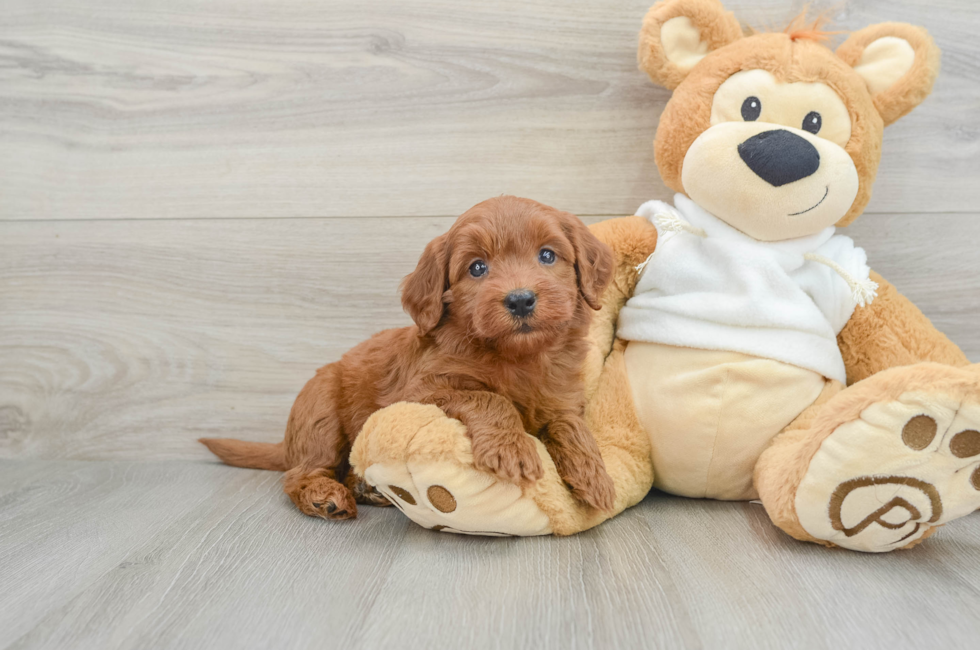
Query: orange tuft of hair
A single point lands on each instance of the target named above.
(799, 30)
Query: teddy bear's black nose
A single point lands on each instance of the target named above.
(779, 156)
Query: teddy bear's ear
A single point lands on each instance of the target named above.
(677, 34)
(898, 62)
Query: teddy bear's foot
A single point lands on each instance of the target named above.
(422, 462)
(455, 499)
(902, 459)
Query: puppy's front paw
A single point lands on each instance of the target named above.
(590, 483)
(513, 459)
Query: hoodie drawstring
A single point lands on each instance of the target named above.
(863, 292)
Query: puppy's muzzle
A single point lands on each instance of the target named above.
(520, 303)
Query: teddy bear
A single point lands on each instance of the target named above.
(744, 350)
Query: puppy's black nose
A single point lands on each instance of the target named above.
(520, 303)
(779, 156)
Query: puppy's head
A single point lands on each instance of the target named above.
(511, 271)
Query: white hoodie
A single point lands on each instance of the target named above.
(720, 289)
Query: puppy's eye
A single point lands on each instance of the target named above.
(547, 256)
(812, 122)
(751, 109)
(478, 268)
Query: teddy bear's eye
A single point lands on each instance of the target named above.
(812, 122)
(751, 109)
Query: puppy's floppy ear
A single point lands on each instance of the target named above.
(593, 260)
(677, 34)
(423, 288)
(898, 62)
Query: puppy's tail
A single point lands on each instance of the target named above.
(255, 455)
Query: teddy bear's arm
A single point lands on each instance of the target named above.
(632, 240)
(891, 332)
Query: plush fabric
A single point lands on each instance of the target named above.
(632, 239)
(688, 114)
(948, 393)
(719, 289)
(693, 22)
(782, 465)
(866, 437)
(892, 332)
(711, 413)
(909, 90)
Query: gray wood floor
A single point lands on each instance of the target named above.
(201, 201)
(120, 109)
(173, 554)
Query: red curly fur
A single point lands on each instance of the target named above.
(499, 374)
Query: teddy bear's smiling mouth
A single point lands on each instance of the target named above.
(825, 193)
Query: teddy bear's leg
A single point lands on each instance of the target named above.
(422, 461)
(880, 465)
(622, 440)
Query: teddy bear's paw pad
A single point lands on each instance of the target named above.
(883, 481)
(454, 498)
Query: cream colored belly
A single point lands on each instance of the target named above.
(710, 414)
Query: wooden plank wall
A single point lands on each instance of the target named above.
(201, 202)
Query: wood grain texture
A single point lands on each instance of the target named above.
(259, 108)
(130, 339)
(196, 555)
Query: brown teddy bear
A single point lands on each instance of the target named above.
(745, 350)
